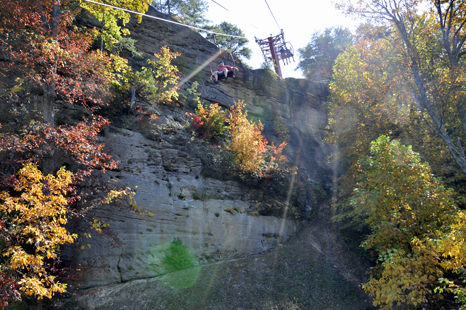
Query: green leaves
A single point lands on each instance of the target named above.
(236, 46)
(209, 123)
(190, 12)
(159, 82)
(415, 226)
(402, 197)
(112, 33)
(317, 58)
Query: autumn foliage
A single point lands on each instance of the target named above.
(48, 63)
(251, 149)
(158, 83)
(416, 229)
(209, 123)
(33, 229)
(252, 153)
(404, 78)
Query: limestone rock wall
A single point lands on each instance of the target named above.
(186, 205)
(296, 102)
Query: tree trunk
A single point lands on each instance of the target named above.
(48, 164)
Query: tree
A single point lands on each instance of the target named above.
(236, 46)
(33, 227)
(112, 19)
(191, 12)
(363, 105)
(318, 56)
(415, 228)
(433, 37)
(158, 83)
(55, 63)
(57, 57)
(399, 197)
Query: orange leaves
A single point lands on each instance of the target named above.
(250, 146)
(209, 123)
(36, 217)
(81, 141)
(251, 152)
(65, 66)
(56, 59)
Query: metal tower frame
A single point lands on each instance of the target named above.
(274, 49)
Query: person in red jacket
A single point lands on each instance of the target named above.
(223, 69)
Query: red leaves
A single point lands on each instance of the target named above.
(38, 43)
(209, 123)
(9, 290)
(82, 143)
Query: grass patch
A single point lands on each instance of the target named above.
(178, 257)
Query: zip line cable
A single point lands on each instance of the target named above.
(272, 15)
(165, 20)
(220, 5)
(229, 11)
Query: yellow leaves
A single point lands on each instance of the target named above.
(39, 216)
(114, 194)
(418, 231)
(98, 225)
(159, 82)
(403, 280)
(112, 32)
(84, 246)
(247, 141)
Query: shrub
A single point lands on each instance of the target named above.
(415, 228)
(209, 123)
(251, 149)
(158, 82)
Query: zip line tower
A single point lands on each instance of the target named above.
(275, 49)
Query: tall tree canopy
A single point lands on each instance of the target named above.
(415, 228)
(190, 12)
(317, 58)
(399, 80)
(112, 19)
(405, 78)
(426, 42)
(237, 46)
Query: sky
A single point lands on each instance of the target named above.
(299, 19)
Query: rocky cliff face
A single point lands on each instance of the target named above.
(210, 217)
(295, 102)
